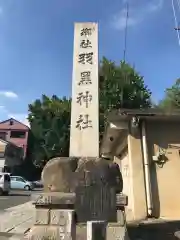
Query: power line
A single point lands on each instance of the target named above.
(176, 22)
(178, 3)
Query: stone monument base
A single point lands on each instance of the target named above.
(114, 231)
(56, 219)
(80, 201)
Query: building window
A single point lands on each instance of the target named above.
(3, 135)
(1, 154)
(11, 122)
(18, 134)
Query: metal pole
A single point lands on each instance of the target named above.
(125, 39)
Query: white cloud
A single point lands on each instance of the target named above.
(136, 14)
(155, 5)
(21, 117)
(119, 20)
(8, 94)
(2, 108)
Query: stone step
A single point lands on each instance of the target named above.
(58, 198)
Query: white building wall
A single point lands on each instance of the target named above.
(123, 163)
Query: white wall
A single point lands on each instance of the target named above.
(2, 162)
(123, 163)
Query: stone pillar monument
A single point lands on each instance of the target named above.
(85, 92)
(81, 188)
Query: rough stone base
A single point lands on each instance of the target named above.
(114, 232)
(47, 233)
(52, 224)
(117, 232)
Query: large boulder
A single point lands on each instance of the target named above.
(58, 174)
(91, 170)
(63, 174)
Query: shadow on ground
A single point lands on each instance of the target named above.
(6, 236)
(155, 231)
(20, 194)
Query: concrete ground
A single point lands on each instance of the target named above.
(15, 198)
(154, 231)
(16, 214)
(17, 220)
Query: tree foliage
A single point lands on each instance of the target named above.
(172, 97)
(49, 120)
(120, 87)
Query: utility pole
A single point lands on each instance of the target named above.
(124, 57)
(126, 27)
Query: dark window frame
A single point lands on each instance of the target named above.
(18, 134)
(3, 135)
(2, 154)
(11, 122)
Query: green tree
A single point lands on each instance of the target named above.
(120, 87)
(172, 97)
(49, 120)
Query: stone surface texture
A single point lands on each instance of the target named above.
(113, 232)
(42, 216)
(54, 198)
(96, 202)
(64, 174)
(62, 218)
(59, 224)
(59, 198)
(98, 181)
(58, 174)
(84, 134)
(48, 233)
(99, 169)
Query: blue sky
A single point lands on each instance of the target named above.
(36, 45)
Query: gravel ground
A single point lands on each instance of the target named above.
(154, 231)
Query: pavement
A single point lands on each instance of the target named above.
(16, 215)
(16, 197)
(156, 229)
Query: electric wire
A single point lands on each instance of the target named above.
(176, 22)
(178, 4)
